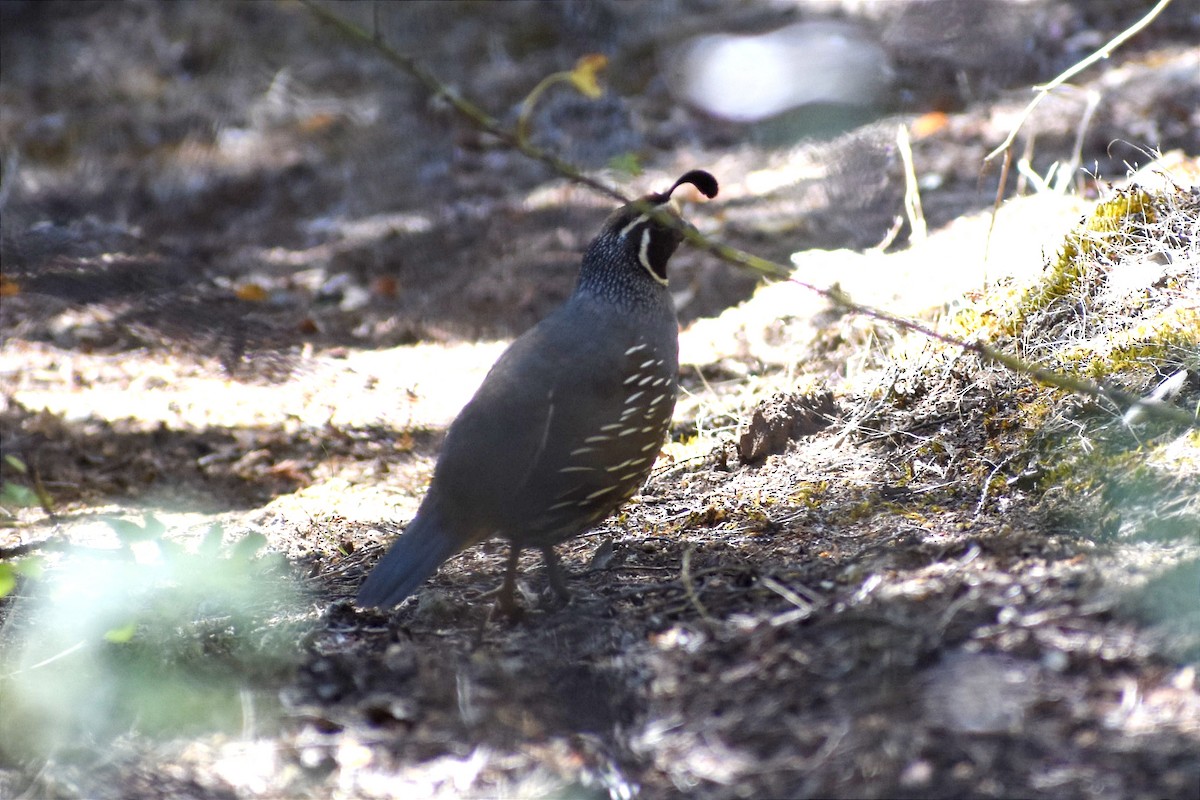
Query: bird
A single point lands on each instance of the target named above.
(568, 422)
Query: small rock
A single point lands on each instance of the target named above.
(782, 419)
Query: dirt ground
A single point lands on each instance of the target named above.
(251, 271)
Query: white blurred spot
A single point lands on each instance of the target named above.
(748, 78)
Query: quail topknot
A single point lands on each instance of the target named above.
(567, 424)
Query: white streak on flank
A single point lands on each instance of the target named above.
(629, 400)
(644, 257)
(578, 451)
(651, 446)
(541, 447)
(635, 349)
(576, 469)
(629, 412)
(628, 432)
(649, 363)
(648, 429)
(563, 504)
(658, 399)
(658, 382)
(612, 427)
(635, 376)
(630, 477)
(546, 427)
(594, 439)
(599, 492)
(645, 380)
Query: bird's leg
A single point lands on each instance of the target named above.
(507, 604)
(555, 573)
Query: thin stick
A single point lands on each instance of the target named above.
(1099, 55)
(989, 354)
(764, 267)
(472, 112)
(912, 192)
(688, 588)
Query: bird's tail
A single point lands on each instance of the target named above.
(412, 558)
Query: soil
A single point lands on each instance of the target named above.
(251, 271)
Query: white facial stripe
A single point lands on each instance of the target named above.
(625, 231)
(644, 257)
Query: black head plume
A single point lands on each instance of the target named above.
(637, 235)
(703, 181)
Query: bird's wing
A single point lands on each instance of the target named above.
(502, 457)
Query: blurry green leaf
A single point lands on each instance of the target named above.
(172, 551)
(210, 545)
(30, 567)
(248, 546)
(153, 526)
(16, 464)
(13, 494)
(121, 635)
(130, 532)
(158, 646)
(626, 164)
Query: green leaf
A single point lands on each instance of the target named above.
(130, 532)
(14, 494)
(172, 552)
(8, 579)
(626, 164)
(210, 545)
(127, 531)
(153, 526)
(248, 546)
(16, 464)
(30, 567)
(121, 635)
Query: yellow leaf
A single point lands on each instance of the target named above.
(251, 293)
(584, 76)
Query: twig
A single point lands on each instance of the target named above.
(912, 192)
(686, 575)
(472, 112)
(987, 483)
(987, 243)
(764, 267)
(1099, 55)
(803, 608)
(989, 354)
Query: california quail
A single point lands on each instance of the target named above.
(567, 423)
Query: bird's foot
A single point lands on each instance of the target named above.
(554, 572)
(506, 606)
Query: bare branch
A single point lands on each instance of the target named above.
(770, 269)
